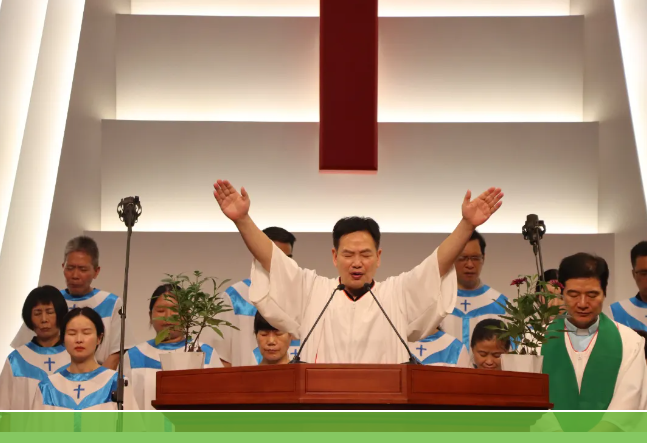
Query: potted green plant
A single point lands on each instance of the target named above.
(526, 322)
(195, 308)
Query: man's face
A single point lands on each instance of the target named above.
(273, 345)
(487, 354)
(79, 273)
(583, 298)
(356, 259)
(639, 273)
(43, 318)
(469, 265)
(285, 247)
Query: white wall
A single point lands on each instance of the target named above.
(224, 255)
(386, 7)
(621, 199)
(424, 171)
(430, 69)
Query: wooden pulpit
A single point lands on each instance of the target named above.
(361, 386)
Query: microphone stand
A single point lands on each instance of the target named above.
(296, 358)
(534, 231)
(129, 210)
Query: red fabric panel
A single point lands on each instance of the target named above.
(348, 85)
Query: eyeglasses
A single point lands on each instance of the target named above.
(473, 258)
(641, 274)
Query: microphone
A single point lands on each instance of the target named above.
(412, 359)
(296, 358)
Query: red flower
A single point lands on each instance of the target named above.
(556, 283)
(518, 281)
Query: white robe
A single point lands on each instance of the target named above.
(441, 349)
(472, 307)
(239, 347)
(630, 391)
(90, 391)
(142, 362)
(291, 298)
(631, 312)
(24, 369)
(107, 305)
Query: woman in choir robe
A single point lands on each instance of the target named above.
(273, 345)
(441, 349)
(143, 361)
(84, 384)
(42, 312)
(486, 349)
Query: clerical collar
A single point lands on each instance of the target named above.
(35, 341)
(638, 301)
(570, 327)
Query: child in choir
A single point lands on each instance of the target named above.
(273, 345)
(486, 349)
(84, 384)
(43, 312)
(142, 362)
(441, 349)
(80, 268)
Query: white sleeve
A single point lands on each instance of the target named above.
(23, 337)
(6, 387)
(37, 402)
(282, 294)
(630, 392)
(130, 403)
(425, 297)
(464, 360)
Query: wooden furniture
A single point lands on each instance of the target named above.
(363, 386)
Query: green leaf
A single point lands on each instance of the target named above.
(162, 335)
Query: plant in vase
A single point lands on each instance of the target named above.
(526, 322)
(194, 308)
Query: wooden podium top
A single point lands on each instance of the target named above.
(363, 386)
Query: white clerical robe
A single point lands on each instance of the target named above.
(239, 346)
(24, 369)
(107, 305)
(631, 312)
(142, 362)
(291, 298)
(630, 391)
(88, 391)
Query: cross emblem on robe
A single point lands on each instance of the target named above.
(421, 349)
(465, 305)
(294, 353)
(78, 392)
(49, 362)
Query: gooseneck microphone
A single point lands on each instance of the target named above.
(412, 359)
(296, 358)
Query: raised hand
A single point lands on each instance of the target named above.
(478, 211)
(233, 204)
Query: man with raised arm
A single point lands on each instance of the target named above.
(353, 328)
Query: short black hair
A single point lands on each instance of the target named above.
(643, 334)
(44, 295)
(640, 250)
(549, 275)
(83, 244)
(482, 332)
(260, 324)
(280, 235)
(476, 236)
(584, 265)
(85, 312)
(159, 291)
(348, 225)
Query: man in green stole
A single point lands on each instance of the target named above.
(597, 364)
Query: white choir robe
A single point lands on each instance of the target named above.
(239, 347)
(107, 305)
(631, 312)
(24, 369)
(291, 298)
(142, 362)
(441, 349)
(81, 392)
(472, 307)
